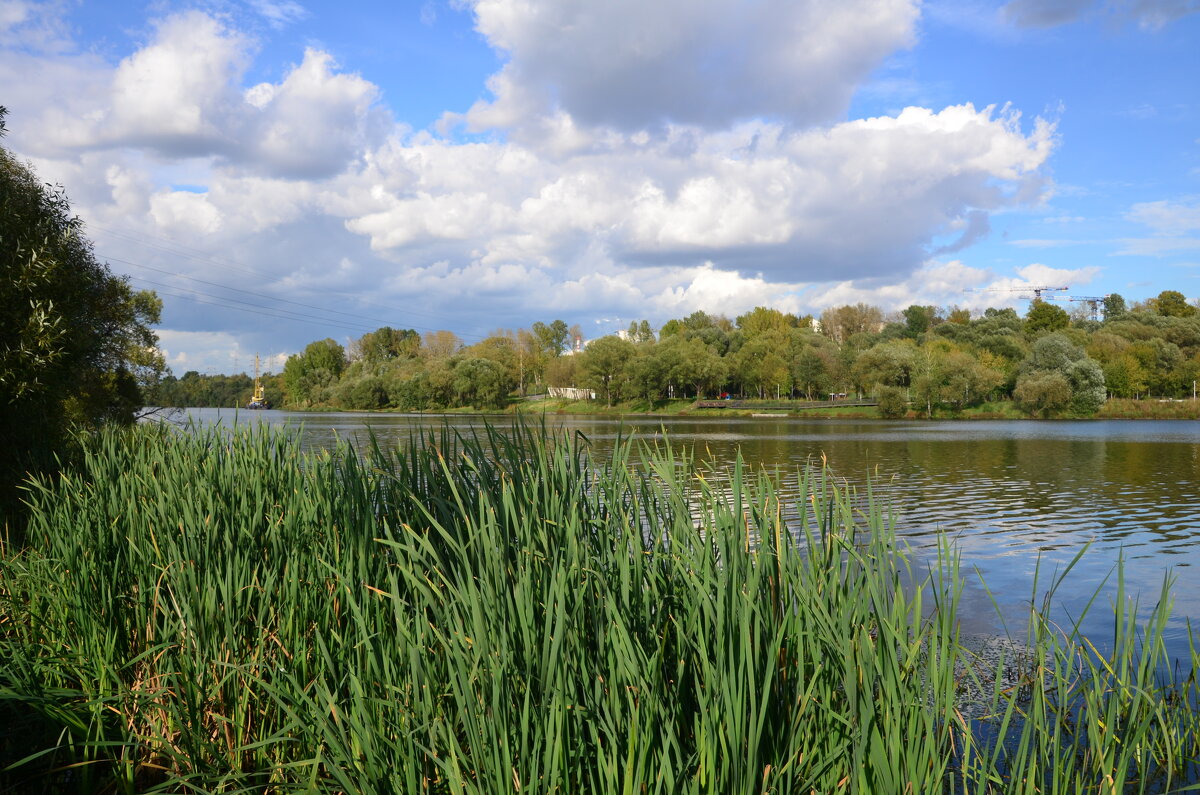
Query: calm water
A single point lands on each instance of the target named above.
(1009, 493)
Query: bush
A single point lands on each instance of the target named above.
(892, 402)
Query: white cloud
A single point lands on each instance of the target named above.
(279, 13)
(1168, 217)
(33, 26)
(304, 188)
(630, 64)
(1174, 224)
(860, 198)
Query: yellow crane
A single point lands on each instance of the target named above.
(259, 399)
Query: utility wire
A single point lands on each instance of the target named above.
(231, 303)
(282, 314)
(180, 250)
(245, 292)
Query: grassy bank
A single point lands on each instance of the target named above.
(200, 612)
(1114, 408)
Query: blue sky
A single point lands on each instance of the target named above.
(284, 171)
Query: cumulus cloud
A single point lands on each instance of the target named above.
(632, 65)
(180, 96)
(602, 204)
(792, 205)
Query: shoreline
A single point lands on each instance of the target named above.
(1114, 409)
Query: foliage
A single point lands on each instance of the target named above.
(309, 377)
(892, 402)
(603, 365)
(76, 347)
(216, 611)
(1054, 361)
(1043, 392)
(1172, 303)
(1044, 316)
(946, 359)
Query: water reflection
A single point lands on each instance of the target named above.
(1011, 494)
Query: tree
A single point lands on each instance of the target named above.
(1055, 355)
(811, 372)
(1043, 392)
(386, 344)
(76, 345)
(648, 374)
(892, 404)
(1172, 303)
(843, 322)
(760, 364)
(440, 344)
(308, 376)
(1044, 316)
(554, 337)
(603, 364)
(694, 364)
(639, 333)
(1114, 307)
(888, 363)
(919, 319)
(482, 383)
(762, 320)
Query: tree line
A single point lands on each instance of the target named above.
(930, 359)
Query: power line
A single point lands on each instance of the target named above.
(240, 290)
(230, 303)
(275, 312)
(188, 252)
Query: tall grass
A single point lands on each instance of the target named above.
(217, 611)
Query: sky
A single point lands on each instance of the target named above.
(283, 171)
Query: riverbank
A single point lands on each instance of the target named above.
(1114, 408)
(219, 610)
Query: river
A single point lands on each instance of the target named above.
(1010, 494)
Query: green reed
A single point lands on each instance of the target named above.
(217, 611)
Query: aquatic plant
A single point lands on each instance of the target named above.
(217, 611)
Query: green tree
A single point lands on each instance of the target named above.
(308, 376)
(639, 333)
(1043, 392)
(554, 337)
(482, 383)
(1043, 317)
(1172, 303)
(76, 345)
(603, 363)
(892, 403)
(760, 365)
(762, 320)
(385, 344)
(695, 364)
(648, 373)
(920, 319)
(1055, 355)
(1114, 307)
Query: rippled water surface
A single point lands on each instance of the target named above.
(1010, 493)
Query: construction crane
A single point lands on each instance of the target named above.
(1093, 302)
(1036, 289)
(259, 399)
